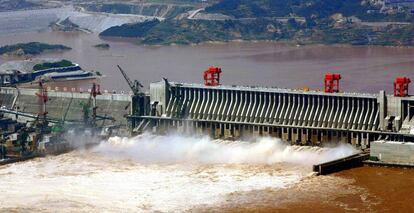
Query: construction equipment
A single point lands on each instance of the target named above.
(135, 85)
(42, 99)
(60, 126)
(212, 76)
(95, 91)
(332, 82)
(401, 86)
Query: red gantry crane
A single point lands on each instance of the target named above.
(212, 76)
(401, 86)
(332, 82)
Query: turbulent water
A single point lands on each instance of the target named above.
(156, 173)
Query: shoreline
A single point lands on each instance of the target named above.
(135, 41)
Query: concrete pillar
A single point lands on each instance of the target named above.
(325, 136)
(295, 135)
(314, 137)
(344, 137)
(200, 130)
(354, 139)
(382, 101)
(285, 134)
(266, 131)
(256, 131)
(237, 132)
(227, 131)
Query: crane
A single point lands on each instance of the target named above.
(92, 104)
(42, 99)
(95, 90)
(135, 85)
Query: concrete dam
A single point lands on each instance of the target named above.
(116, 106)
(296, 116)
(382, 122)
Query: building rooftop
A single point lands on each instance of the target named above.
(24, 66)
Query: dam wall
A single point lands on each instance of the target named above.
(116, 106)
(393, 152)
(297, 116)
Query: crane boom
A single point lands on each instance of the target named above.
(135, 86)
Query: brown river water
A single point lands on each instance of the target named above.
(176, 173)
(364, 69)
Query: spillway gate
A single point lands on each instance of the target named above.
(301, 117)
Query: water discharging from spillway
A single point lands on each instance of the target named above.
(156, 173)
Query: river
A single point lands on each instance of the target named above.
(157, 173)
(199, 175)
(364, 69)
(176, 173)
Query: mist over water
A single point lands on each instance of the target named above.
(151, 173)
(149, 148)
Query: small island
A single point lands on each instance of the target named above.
(32, 48)
(103, 46)
(49, 65)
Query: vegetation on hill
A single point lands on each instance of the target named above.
(131, 30)
(102, 46)
(365, 10)
(48, 65)
(66, 26)
(193, 31)
(300, 21)
(32, 48)
(7, 5)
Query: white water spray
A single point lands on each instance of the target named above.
(156, 173)
(149, 148)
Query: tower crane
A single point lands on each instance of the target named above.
(42, 99)
(134, 85)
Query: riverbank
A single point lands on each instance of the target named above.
(189, 31)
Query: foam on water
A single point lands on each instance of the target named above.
(155, 173)
(149, 148)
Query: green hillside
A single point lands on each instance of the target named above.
(354, 22)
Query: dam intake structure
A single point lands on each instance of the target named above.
(297, 116)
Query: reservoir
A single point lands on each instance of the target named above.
(363, 68)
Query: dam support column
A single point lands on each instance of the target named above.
(325, 137)
(304, 137)
(314, 138)
(217, 130)
(237, 133)
(266, 131)
(227, 131)
(382, 102)
(295, 135)
(285, 134)
(256, 131)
